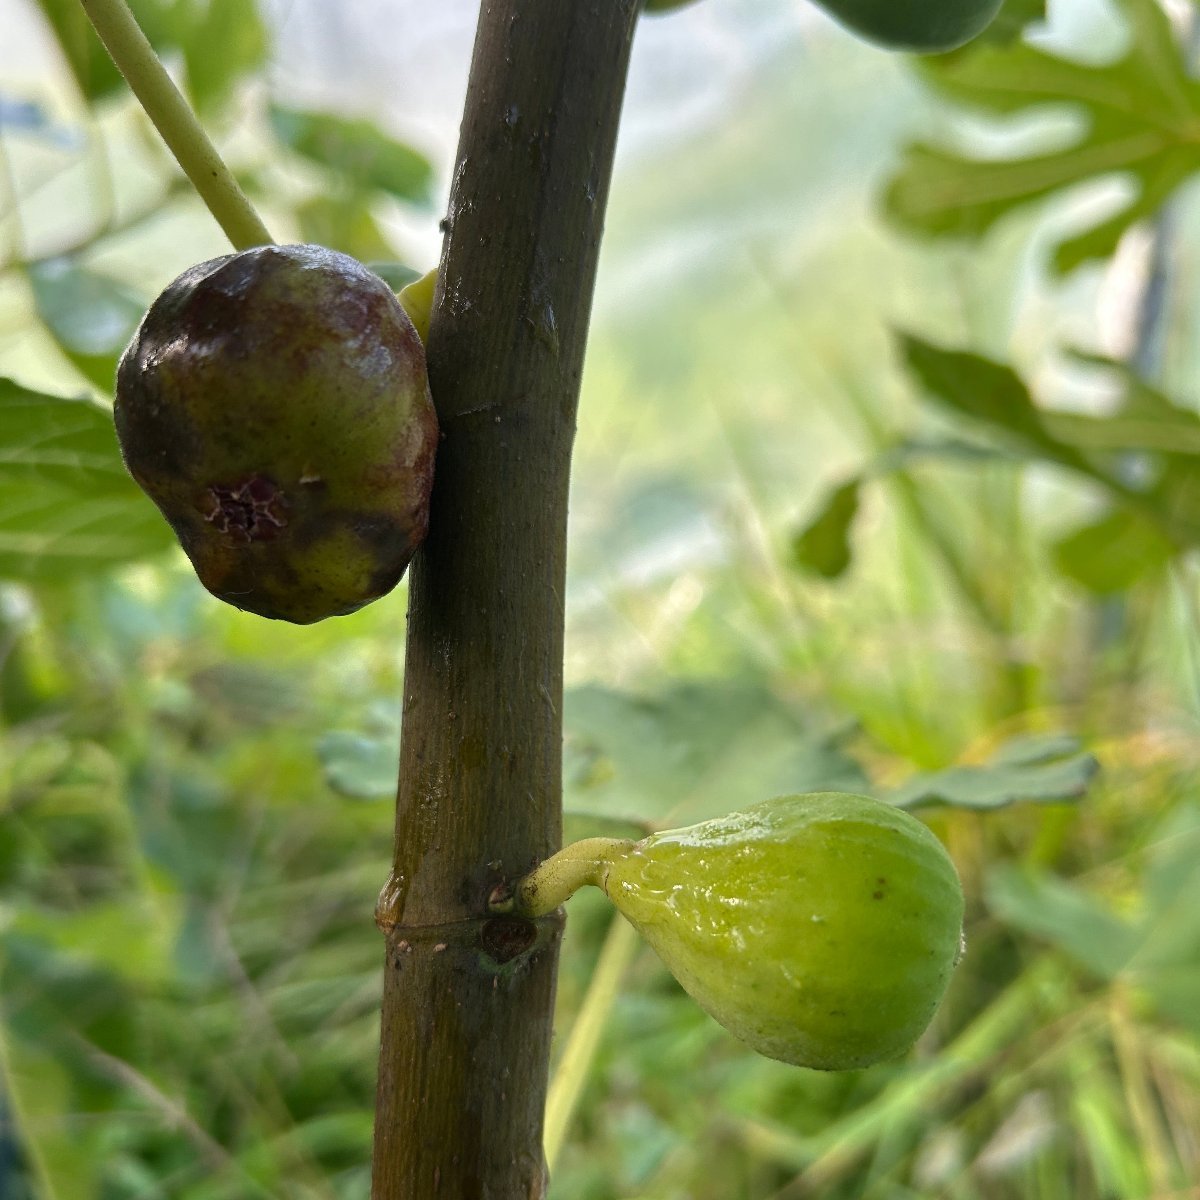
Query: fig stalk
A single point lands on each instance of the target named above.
(557, 879)
(135, 58)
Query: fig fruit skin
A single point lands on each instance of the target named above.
(820, 929)
(922, 26)
(274, 404)
(662, 6)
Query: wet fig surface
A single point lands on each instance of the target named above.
(820, 929)
(274, 405)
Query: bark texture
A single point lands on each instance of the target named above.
(468, 999)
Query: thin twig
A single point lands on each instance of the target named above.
(173, 118)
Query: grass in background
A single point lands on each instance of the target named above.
(195, 804)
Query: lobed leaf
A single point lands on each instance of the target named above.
(994, 396)
(694, 751)
(986, 391)
(1046, 770)
(1141, 119)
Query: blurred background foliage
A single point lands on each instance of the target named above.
(885, 480)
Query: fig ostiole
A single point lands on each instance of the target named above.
(274, 404)
(819, 929)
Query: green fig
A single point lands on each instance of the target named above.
(926, 26)
(274, 405)
(821, 929)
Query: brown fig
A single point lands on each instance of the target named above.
(274, 405)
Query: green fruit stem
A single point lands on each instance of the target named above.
(173, 118)
(561, 876)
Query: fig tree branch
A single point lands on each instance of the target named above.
(469, 994)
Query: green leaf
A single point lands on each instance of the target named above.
(67, 507)
(40, 1100)
(994, 395)
(1169, 434)
(356, 150)
(59, 778)
(1064, 915)
(908, 451)
(49, 533)
(1140, 397)
(1167, 960)
(1049, 771)
(823, 545)
(1174, 431)
(1012, 20)
(221, 41)
(1032, 749)
(1140, 120)
(58, 440)
(1175, 499)
(1111, 554)
(27, 767)
(91, 316)
(90, 64)
(1173, 864)
(359, 765)
(986, 391)
(1159, 951)
(128, 938)
(345, 223)
(396, 275)
(49, 994)
(225, 40)
(67, 848)
(697, 750)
